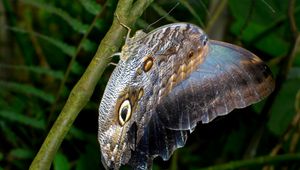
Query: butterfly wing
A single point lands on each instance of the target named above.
(157, 140)
(174, 78)
(230, 77)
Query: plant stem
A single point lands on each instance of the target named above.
(259, 161)
(82, 91)
(72, 61)
(212, 20)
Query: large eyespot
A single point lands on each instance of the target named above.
(124, 112)
(148, 63)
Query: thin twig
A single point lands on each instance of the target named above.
(193, 12)
(291, 12)
(84, 88)
(259, 161)
(247, 19)
(37, 47)
(297, 103)
(212, 20)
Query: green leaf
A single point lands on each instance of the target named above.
(101, 25)
(61, 162)
(21, 153)
(8, 133)
(3, 102)
(294, 73)
(248, 33)
(77, 68)
(91, 6)
(271, 44)
(261, 12)
(64, 47)
(22, 119)
(258, 20)
(27, 89)
(17, 104)
(89, 159)
(239, 10)
(74, 23)
(233, 144)
(283, 109)
(89, 45)
(78, 133)
(156, 167)
(1, 156)
(35, 69)
(297, 59)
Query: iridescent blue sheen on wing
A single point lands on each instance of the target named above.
(230, 77)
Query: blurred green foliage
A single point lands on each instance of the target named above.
(39, 38)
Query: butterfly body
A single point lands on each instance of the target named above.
(165, 83)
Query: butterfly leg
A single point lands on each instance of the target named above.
(114, 64)
(113, 55)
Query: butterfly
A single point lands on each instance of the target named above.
(165, 83)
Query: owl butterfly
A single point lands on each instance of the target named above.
(164, 84)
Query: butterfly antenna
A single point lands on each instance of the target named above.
(163, 16)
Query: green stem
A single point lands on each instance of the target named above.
(174, 161)
(84, 88)
(217, 13)
(297, 102)
(72, 61)
(259, 161)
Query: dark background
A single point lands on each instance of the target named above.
(38, 38)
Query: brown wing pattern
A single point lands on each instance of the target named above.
(179, 78)
(230, 77)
